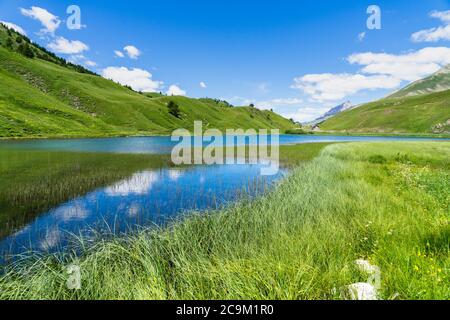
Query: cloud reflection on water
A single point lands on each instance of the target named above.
(139, 184)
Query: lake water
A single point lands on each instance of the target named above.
(147, 197)
(161, 145)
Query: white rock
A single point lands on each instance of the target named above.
(362, 291)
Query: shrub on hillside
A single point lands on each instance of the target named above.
(25, 50)
(174, 109)
(9, 43)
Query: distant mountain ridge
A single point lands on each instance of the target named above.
(332, 112)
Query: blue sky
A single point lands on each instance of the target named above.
(298, 57)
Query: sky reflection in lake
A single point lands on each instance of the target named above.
(146, 198)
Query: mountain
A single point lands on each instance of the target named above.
(421, 107)
(437, 82)
(332, 112)
(42, 95)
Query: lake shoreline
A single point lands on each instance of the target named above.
(368, 134)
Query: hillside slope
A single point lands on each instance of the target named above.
(437, 82)
(421, 107)
(429, 113)
(45, 97)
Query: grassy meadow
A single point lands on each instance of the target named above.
(385, 202)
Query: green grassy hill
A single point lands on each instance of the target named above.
(44, 96)
(422, 107)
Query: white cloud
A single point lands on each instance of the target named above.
(138, 79)
(202, 85)
(118, 54)
(361, 36)
(175, 90)
(48, 20)
(444, 16)
(280, 105)
(62, 45)
(333, 87)
(306, 114)
(132, 52)
(290, 108)
(81, 59)
(15, 27)
(379, 71)
(409, 67)
(239, 101)
(90, 63)
(77, 58)
(435, 34)
(269, 104)
(432, 35)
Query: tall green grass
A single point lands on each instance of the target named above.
(386, 202)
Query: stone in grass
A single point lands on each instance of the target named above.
(365, 290)
(362, 291)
